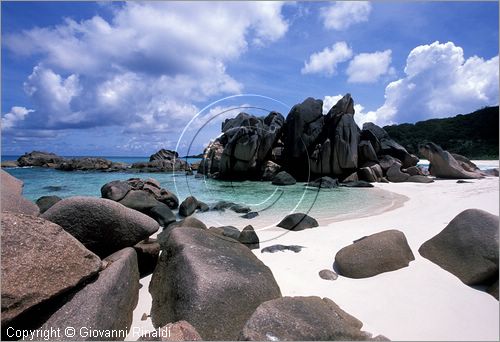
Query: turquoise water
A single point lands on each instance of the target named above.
(272, 202)
(128, 160)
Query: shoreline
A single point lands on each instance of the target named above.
(419, 302)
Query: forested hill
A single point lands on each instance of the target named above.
(473, 135)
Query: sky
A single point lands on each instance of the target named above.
(129, 78)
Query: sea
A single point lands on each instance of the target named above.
(270, 201)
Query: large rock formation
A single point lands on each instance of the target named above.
(11, 198)
(51, 160)
(106, 304)
(102, 225)
(308, 144)
(243, 147)
(39, 158)
(90, 164)
(163, 161)
(467, 247)
(371, 255)
(144, 195)
(303, 319)
(214, 282)
(383, 144)
(443, 165)
(304, 126)
(39, 262)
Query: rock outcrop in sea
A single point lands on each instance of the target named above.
(305, 146)
(161, 161)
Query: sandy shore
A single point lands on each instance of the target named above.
(419, 302)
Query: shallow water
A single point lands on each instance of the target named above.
(270, 201)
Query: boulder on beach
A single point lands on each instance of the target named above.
(357, 184)
(270, 170)
(386, 146)
(144, 195)
(467, 247)
(11, 198)
(237, 208)
(420, 179)
(210, 280)
(187, 222)
(250, 215)
(105, 304)
(283, 178)
(162, 214)
(139, 200)
(371, 255)
(395, 175)
(229, 231)
(324, 182)
(303, 319)
(102, 225)
(249, 237)
(45, 202)
(298, 221)
(188, 206)
(178, 331)
(39, 262)
(115, 190)
(39, 158)
(281, 248)
(148, 252)
(328, 275)
(386, 161)
(443, 165)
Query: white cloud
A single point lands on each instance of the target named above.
(360, 116)
(369, 67)
(145, 68)
(440, 82)
(325, 62)
(15, 115)
(54, 94)
(342, 14)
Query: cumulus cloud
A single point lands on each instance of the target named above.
(342, 14)
(146, 68)
(325, 62)
(440, 82)
(15, 115)
(369, 67)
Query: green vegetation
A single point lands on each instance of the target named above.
(473, 135)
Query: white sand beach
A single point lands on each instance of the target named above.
(419, 302)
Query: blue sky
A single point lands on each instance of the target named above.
(83, 78)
